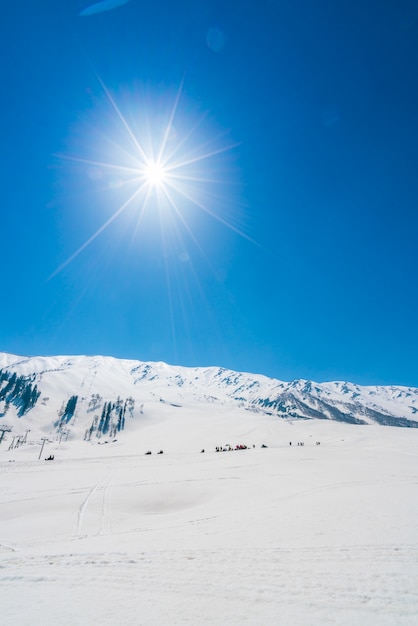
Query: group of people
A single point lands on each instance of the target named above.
(229, 448)
(226, 448)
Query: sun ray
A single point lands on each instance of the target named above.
(123, 120)
(217, 217)
(185, 224)
(97, 232)
(112, 166)
(201, 157)
(195, 179)
(170, 123)
(185, 138)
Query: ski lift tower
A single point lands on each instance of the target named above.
(3, 431)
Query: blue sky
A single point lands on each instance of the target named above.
(291, 253)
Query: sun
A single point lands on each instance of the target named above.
(155, 174)
(165, 163)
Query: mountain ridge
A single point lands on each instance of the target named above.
(93, 395)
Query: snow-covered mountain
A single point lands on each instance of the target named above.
(101, 396)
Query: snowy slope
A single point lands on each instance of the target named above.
(312, 535)
(114, 396)
(317, 534)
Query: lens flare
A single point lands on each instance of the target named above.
(164, 160)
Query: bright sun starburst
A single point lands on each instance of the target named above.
(155, 174)
(149, 161)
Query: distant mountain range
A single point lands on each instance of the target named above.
(94, 396)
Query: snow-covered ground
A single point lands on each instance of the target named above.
(293, 535)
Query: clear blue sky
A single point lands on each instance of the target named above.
(295, 251)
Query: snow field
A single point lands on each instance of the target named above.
(303, 535)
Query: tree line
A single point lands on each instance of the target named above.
(18, 391)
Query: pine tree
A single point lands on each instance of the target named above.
(102, 420)
(9, 387)
(69, 410)
(107, 418)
